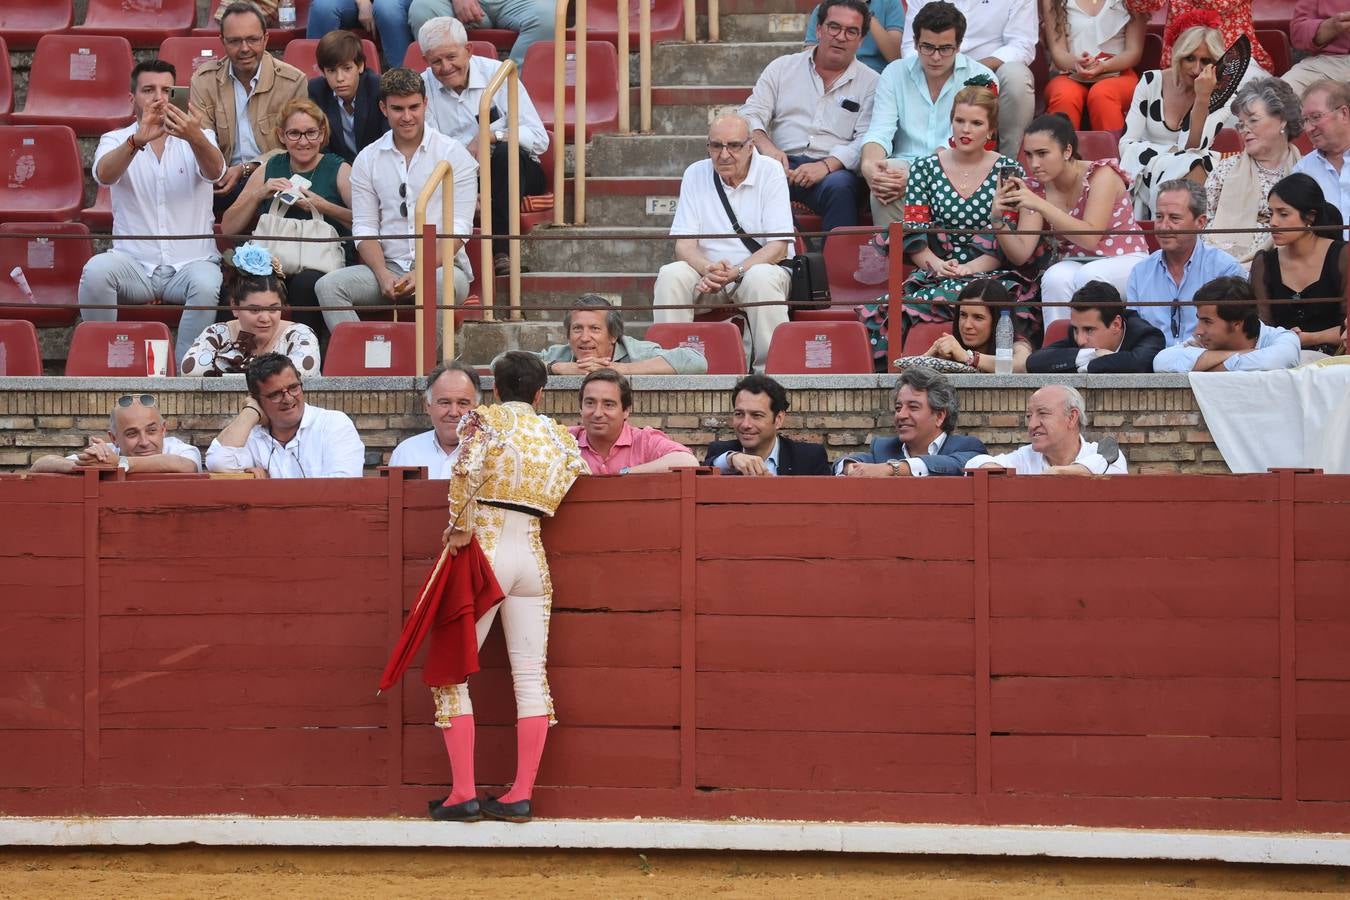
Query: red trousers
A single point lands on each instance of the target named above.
(1106, 101)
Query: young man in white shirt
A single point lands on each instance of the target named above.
(278, 435)
(138, 441)
(386, 179)
(1056, 415)
(1229, 335)
(453, 389)
(160, 170)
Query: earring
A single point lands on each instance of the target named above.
(991, 144)
(951, 142)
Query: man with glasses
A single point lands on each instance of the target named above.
(278, 435)
(138, 441)
(1002, 35)
(241, 96)
(882, 35)
(912, 116)
(1181, 265)
(1326, 118)
(386, 179)
(810, 111)
(159, 171)
(719, 272)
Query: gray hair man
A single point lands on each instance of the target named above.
(1056, 416)
(138, 441)
(925, 442)
(595, 340)
(453, 389)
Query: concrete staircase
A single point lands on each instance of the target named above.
(635, 180)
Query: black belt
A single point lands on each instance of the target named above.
(513, 507)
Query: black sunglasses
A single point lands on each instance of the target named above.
(403, 197)
(127, 399)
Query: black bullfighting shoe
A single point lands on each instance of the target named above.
(518, 812)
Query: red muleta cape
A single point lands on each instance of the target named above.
(457, 593)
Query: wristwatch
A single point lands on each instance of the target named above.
(740, 271)
(499, 136)
(124, 463)
(895, 465)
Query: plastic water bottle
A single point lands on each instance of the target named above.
(286, 13)
(1003, 345)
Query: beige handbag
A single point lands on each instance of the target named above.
(274, 229)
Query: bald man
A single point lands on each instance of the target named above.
(138, 440)
(717, 272)
(1056, 416)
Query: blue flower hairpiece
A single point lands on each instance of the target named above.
(253, 259)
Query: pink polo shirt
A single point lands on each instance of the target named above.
(634, 447)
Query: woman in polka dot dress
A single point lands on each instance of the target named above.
(1067, 193)
(954, 189)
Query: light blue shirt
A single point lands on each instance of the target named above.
(1335, 185)
(1150, 281)
(246, 146)
(906, 121)
(348, 120)
(725, 467)
(891, 13)
(1276, 348)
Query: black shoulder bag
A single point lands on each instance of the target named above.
(810, 287)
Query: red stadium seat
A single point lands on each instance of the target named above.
(1098, 145)
(921, 336)
(188, 53)
(809, 348)
(414, 59)
(19, 351)
(300, 53)
(719, 342)
(503, 39)
(1146, 226)
(51, 267)
(43, 179)
(1057, 330)
(144, 24)
(602, 85)
(359, 348)
(1151, 57)
(1277, 44)
(1227, 142)
(24, 22)
(847, 251)
(277, 38)
(602, 21)
(6, 84)
(82, 81)
(114, 348)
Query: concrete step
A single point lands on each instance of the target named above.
(631, 201)
(592, 249)
(545, 296)
(721, 63)
(662, 156)
(750, 7)
(759, 27)
(690, 109)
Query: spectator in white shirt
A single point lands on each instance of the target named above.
(386, 179)
(455, 79)
(1229, 335)
(1056, 416)
(1326, 118)
(278, 435)
(160, 169)
(138, 441)
(453, 389)
(1002, 35)
(811, 110)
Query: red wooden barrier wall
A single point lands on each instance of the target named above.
(1157, 651)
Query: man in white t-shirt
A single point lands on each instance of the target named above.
(715, 272)
(138, 441)
(1056, 415)
(453, 389)
(278, 435)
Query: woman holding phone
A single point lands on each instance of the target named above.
(1094, 45)
(1087, 204)
(948, 200)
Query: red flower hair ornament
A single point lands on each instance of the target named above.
(1191, 18)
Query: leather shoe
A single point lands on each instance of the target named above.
(468, 811)
(518, 812)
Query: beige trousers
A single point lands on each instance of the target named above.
(1315, 68)
(675, 287)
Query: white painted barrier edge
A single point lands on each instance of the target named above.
(658, 834)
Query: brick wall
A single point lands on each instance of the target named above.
(1154, 417)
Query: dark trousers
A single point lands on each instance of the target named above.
(836, 198)
(532, 181)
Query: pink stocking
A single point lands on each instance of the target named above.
(459, 745)
(530, 735)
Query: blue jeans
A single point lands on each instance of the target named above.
(835, 198)
(532, 20)
(391, 19)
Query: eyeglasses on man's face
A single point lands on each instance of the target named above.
(1314, 118)
(717, 147)
(851, 32)
(941, 51)
(294, 390)
(234, 43)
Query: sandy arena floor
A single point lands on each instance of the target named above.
(328, 874)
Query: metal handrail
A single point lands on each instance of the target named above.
(442, 176)
(559, 111)
(506, 72)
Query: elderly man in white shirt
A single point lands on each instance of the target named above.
(455, 79)
(1229, 335)
(716, 272)
(1002, 35)
(386, 179)
(278, 435)
(811, 110)
(453, 389)
(1326, 118)
(160, 170)
(1056, 415)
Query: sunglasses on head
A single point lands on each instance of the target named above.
(127, 399)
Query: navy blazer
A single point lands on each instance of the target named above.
(370, 122)
(957, 450)
(1142, 342)
(794, 457)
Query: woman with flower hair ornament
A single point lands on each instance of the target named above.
(1231, 17)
